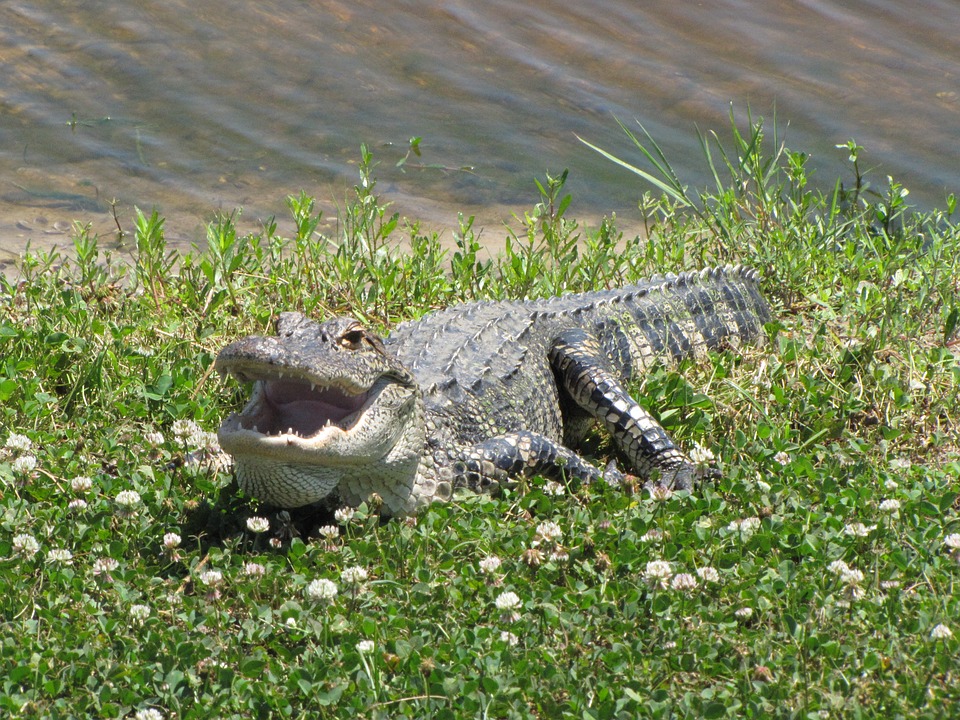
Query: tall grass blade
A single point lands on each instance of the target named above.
(670, 185)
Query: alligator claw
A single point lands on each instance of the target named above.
(684, 476)
(612, 475)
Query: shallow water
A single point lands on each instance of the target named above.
(194, 107)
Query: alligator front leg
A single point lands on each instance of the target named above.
(579, 363)
(494, 461)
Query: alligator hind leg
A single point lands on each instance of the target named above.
(581, 368)
(494, 461)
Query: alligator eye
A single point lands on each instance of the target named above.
(352, 339)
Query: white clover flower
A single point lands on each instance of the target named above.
(708, 574)
(290, 622)
(658, 570)
(203, 440)
(154, 438)
(148, 714)
(683, 582)
(890, 506)
(890, 485)
(184, 428)
(139, 613)
(851, 576)
(890, 584)
(353, 575)
(212, 578)
(941, 632)
(660, 493)
(858, 529)
(365, 646)
(171, 540)
(212, 443)
(509, 638)
(321, 590)
(782, 457)
(18, 443)
(344, 515)
(128, 499)
(252, 569)
(329, 532)
(838, 567)
(744, 613)
(745, 526)
(25, 545)
(508, 600)
(104, 565)
(652, 535)
(701, 455)
(490, 564)
(60, 555)
(670, 645)
(750, 524)
(552, 487)
(24, 464)
(81, 484)
(257, 524)
(952, 541)
(549, 531)
(77, 504)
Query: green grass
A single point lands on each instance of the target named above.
(837, 439)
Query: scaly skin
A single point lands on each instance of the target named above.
(474, 395)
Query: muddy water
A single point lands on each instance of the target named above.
(191, 107)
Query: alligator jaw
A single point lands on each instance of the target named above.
(299, 407)
(296, 420)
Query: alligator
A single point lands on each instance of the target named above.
(476, 395)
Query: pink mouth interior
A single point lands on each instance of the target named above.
(292, 405)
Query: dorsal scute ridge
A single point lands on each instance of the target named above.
(491, 323)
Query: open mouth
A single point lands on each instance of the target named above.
(298, 407)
